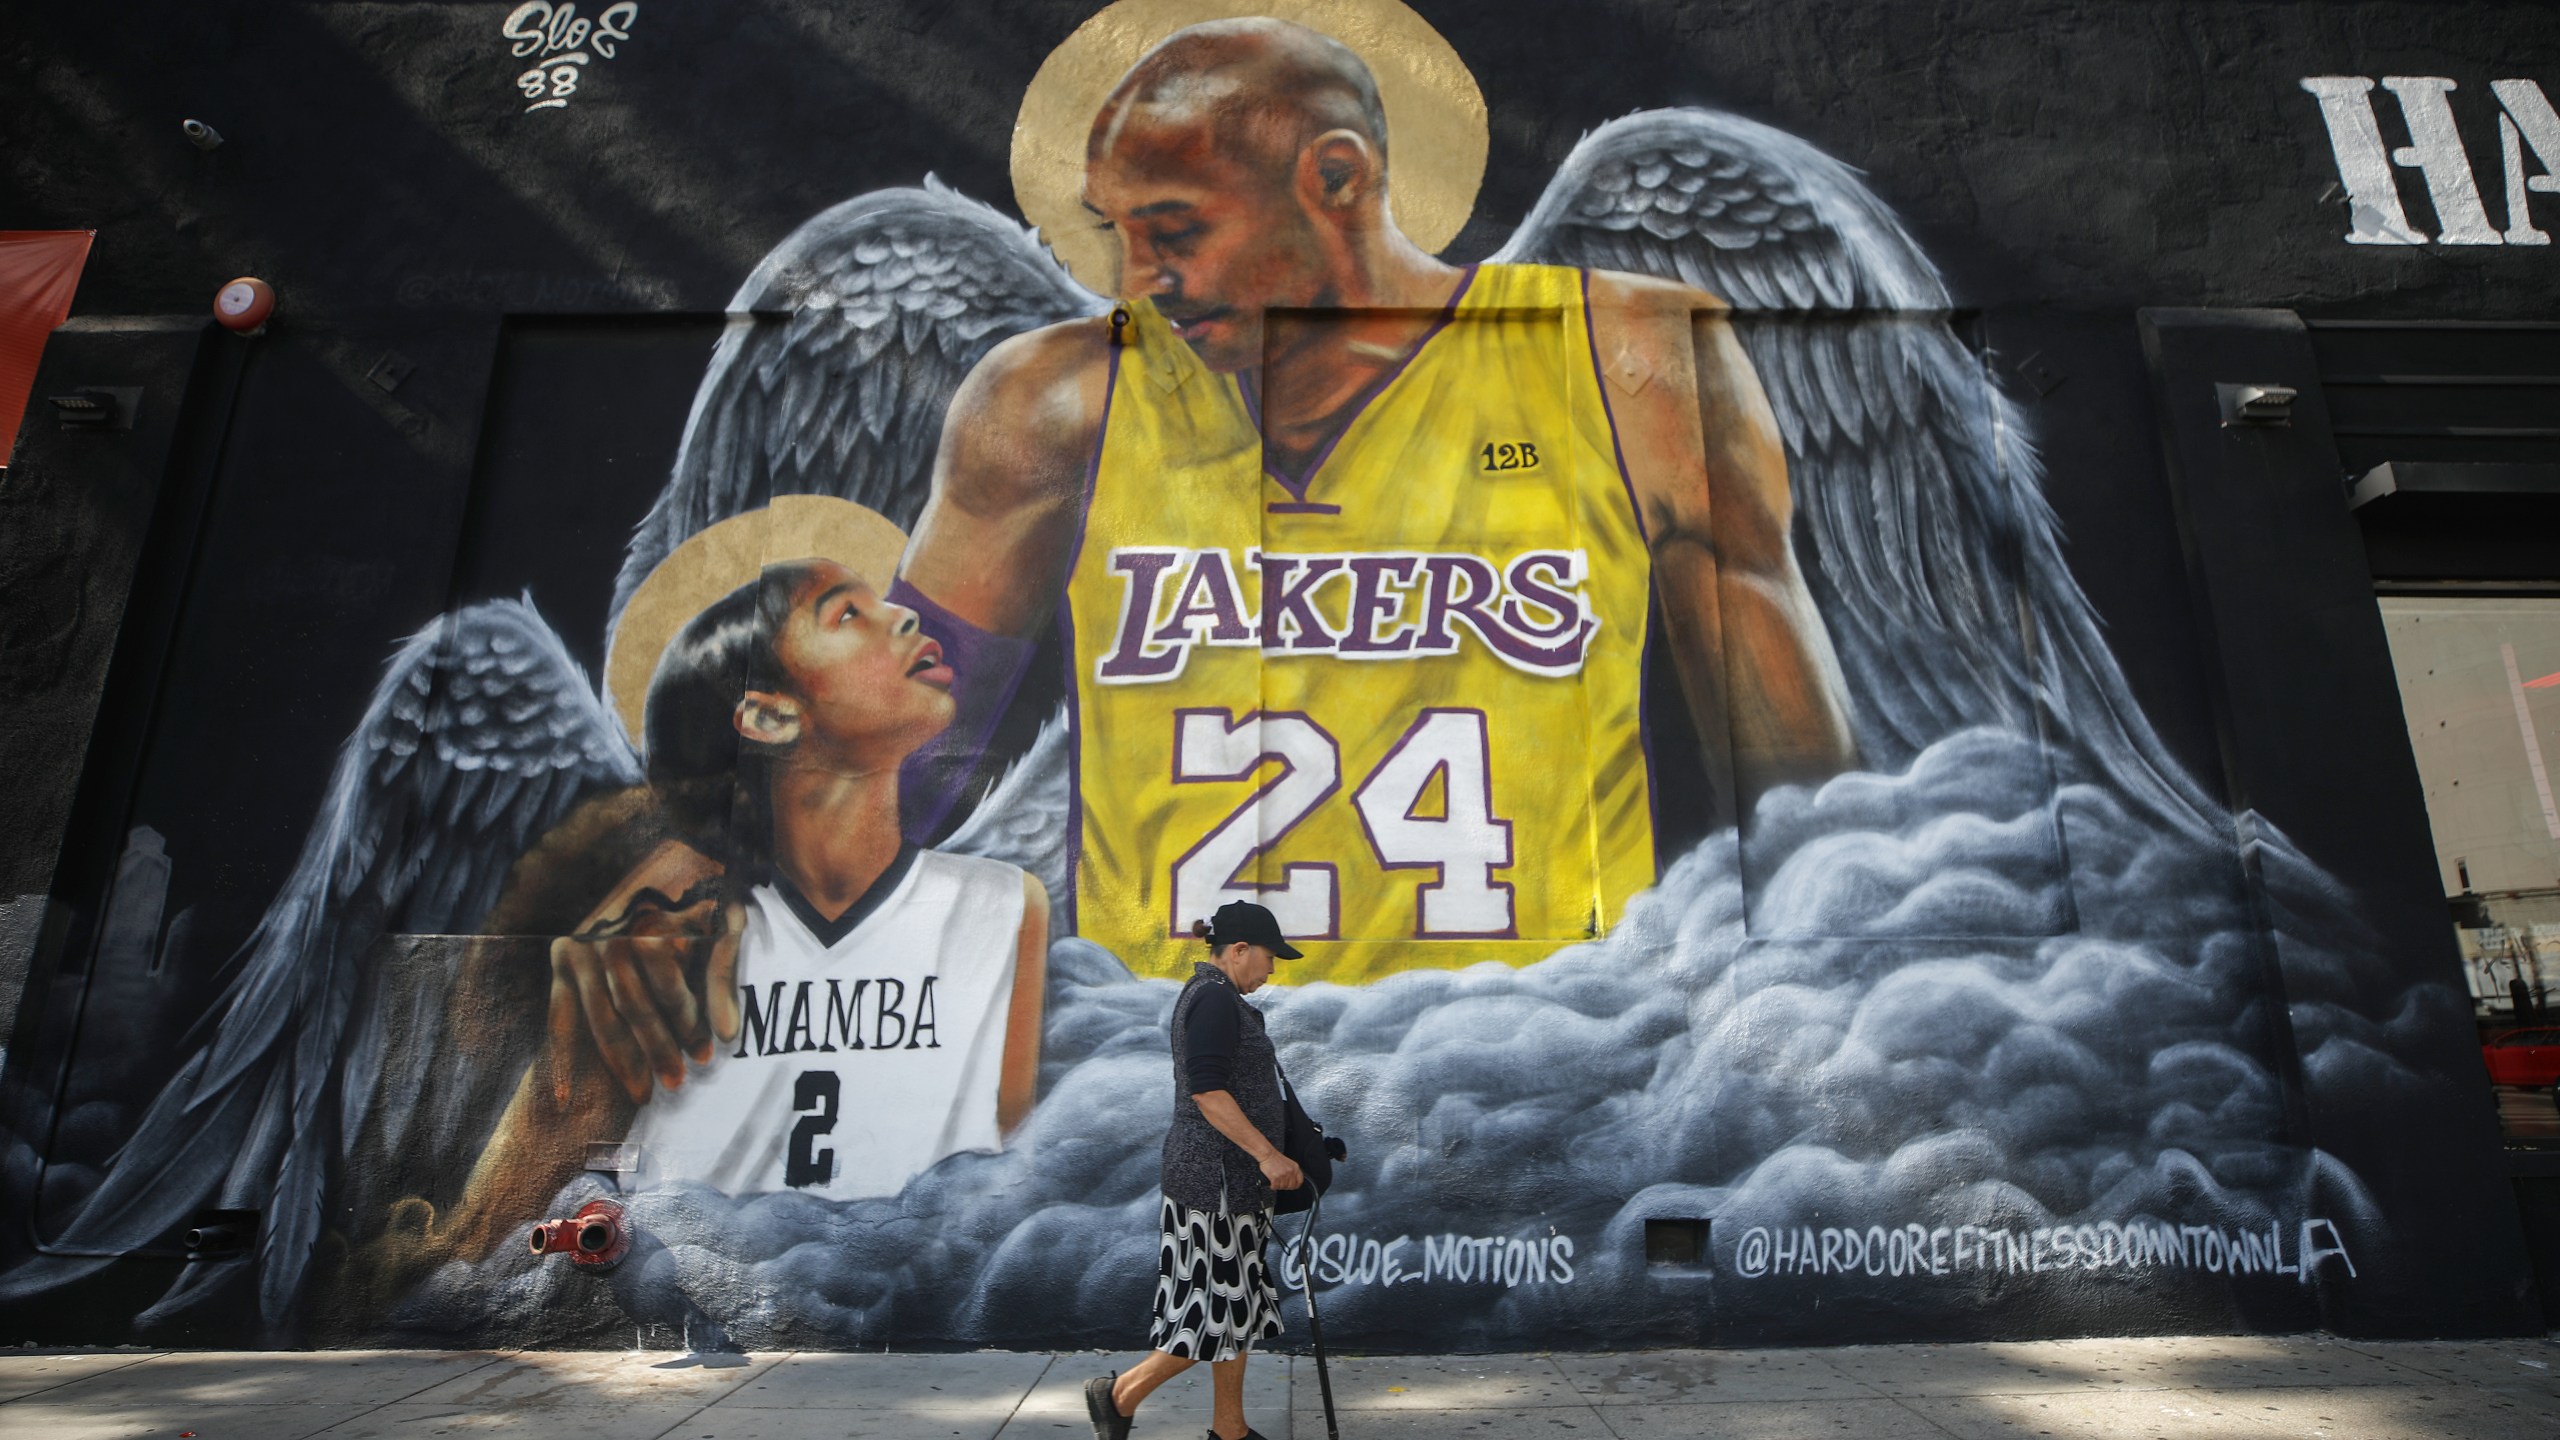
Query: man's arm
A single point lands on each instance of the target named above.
(628, 972)
(991, 547)
(1710, 479)
(615, 987)
(565, 1099)
(540, 1142)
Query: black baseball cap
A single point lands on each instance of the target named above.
(1243, 920)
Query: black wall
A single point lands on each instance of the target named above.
(2064, 164)
(472, 294)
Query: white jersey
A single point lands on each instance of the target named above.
(867, 1050)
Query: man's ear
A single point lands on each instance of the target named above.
(767, 718)
(1338, 169)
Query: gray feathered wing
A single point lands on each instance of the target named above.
(843, 350)
(1921, 524)
(482, 735)
(1022, 821)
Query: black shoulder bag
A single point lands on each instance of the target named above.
(1303, 1140)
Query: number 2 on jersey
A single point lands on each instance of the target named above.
(814, 1095)
(1465, 843)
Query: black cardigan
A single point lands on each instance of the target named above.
(1219, 1044)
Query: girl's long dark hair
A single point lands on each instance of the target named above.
(715, 786)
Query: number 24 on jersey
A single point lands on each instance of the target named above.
(1464, 844)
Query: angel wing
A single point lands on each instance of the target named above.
(1019, 821)
(1921, 522)
(482, 734)
(843, 350)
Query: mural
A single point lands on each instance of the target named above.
(844, 926)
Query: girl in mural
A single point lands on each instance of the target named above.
(1222, 1164)
(888, 998)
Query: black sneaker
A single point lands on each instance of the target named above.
(1108, 1422)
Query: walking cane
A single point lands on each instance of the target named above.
(1315, 1326)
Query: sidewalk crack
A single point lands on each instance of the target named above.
(492, 1359)
(1024, 1398)
(704, 1408)
(76, 1379)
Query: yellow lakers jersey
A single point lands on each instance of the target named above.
(1393, 698)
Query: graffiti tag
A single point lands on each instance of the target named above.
(562, 43)
(1915, 1249)
(1509, 1261)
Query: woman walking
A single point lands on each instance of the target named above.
(1222, 1163)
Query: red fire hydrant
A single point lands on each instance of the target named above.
(595, 1237)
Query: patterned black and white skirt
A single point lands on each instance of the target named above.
(1214, 1296)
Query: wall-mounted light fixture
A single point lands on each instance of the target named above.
(2261, 406)
(84, 410)
(97, 407)
(201, 135)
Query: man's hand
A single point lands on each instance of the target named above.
(651, 973)
(1282, 1172)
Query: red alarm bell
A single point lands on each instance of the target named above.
(244, 305)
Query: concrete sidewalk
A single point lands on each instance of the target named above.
(2222, 1386)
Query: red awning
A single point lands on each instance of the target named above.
(38, 271)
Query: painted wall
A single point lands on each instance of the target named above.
(1990, 965)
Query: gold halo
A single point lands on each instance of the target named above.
(726, 556)
(1435, 115)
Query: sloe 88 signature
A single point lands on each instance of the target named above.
(566, 43)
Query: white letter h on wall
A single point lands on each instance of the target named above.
(2435, 152)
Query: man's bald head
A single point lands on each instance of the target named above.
(1263, 89)
(1241, 165)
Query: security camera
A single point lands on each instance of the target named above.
(201, 135)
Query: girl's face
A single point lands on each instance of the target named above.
(865, 683)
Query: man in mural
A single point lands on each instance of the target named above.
(1314, 497)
